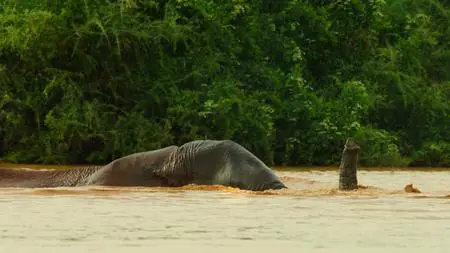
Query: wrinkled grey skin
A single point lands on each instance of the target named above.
(133, 170)
(207, 162)
(204, 162)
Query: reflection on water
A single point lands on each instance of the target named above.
(312, 215)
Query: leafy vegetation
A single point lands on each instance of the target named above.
(91, 80)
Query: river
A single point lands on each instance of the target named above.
(310, 216)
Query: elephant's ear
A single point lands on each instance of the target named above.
(177, 168)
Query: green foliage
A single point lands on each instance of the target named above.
(89, 81)
(432, 154)
(378, 148)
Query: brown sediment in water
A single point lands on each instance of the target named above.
(105, 190)
(111, 191)
(67, 192)
(431, 197)
(296, 180)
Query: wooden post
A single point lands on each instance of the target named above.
(348, 167)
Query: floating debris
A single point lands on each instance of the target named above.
(411, 189)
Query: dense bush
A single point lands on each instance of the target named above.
(379, 148)
(89, 81)
(433, 154)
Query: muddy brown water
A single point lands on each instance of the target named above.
(310, 216)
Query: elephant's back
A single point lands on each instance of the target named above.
(214, 158)
(136, 169)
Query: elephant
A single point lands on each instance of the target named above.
(200, 162)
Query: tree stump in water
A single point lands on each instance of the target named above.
(348, 167)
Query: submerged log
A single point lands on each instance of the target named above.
(348, 168)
